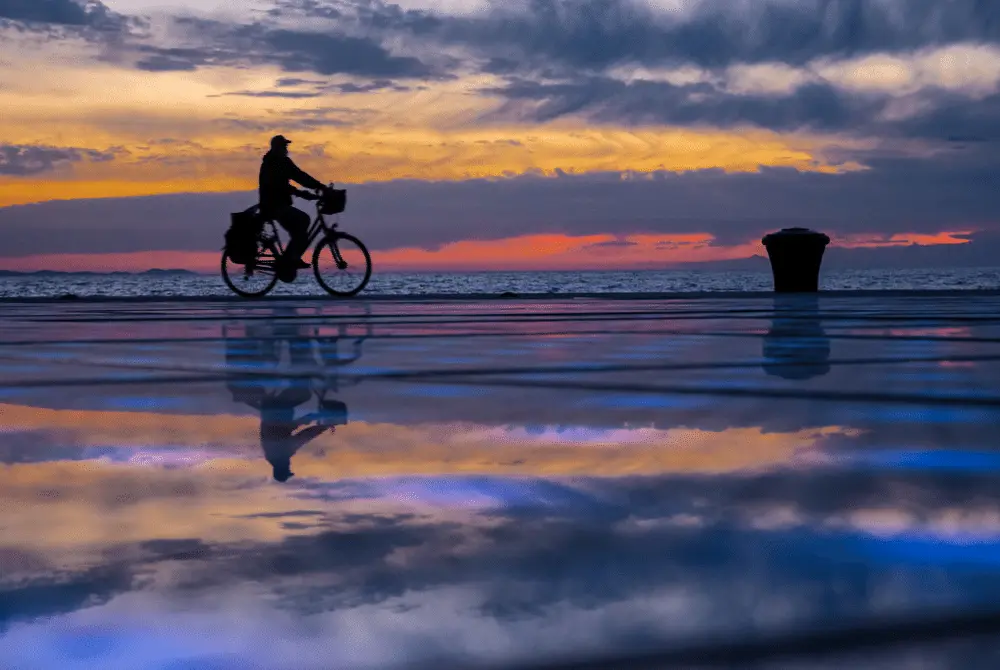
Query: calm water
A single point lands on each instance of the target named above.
(499, 282)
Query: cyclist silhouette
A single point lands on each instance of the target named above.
(277, 170)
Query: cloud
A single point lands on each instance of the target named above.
(300, 119)
(973, 69)
(204, 43)
(47, 16)
(712, 33)
(64, 12)
(173, 59)
(25, 160)
(325, 53)
(290, 95)
(59, 594)
(295, 81)
(377, 85)
(626, 563)
(855, 66)
(319, 89)
(774, 63)
(606, 100)
(953, 192)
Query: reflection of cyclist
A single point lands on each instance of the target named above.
(276, 171)
(277, 412)
(282, 434)
(277, 429)
(257, 352)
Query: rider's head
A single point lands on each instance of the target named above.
(282, 471)
(280, 143)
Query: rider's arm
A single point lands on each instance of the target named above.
(307, 195)
(298, 175)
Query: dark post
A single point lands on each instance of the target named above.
(796, 255)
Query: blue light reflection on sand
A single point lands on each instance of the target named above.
(943, 460)
(642, 401)
(520, 495)
(144, 403)
(887, 413)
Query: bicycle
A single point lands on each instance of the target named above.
(347, 252)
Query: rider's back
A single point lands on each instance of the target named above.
(275, 172)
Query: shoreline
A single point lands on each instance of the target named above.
(466, 297)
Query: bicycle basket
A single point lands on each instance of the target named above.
(334, 202)
(333, 412)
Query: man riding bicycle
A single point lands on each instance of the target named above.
(276, 171)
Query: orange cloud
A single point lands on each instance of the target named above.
(903, 240)
(529, 252)
(565, 252)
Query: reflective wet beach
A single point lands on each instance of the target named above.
(396, 484)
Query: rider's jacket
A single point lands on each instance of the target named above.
(276, 170)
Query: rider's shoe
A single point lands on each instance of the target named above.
(303, 265)
(287, 275)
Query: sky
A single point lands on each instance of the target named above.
(527, 134)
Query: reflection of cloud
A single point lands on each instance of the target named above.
(372, 590)
(394, 546)
(363, 449)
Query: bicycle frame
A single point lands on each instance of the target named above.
(319, 225)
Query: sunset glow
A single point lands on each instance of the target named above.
(138, 98)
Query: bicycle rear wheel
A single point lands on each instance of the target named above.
(256, 279)
(342, 265)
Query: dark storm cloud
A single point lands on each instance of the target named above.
(602, 99)
(957, 119)
(214, 43)
(324, 53)
(64, 12)
(22, 161)
(597, 34)
(948, 117)
(49, 16)
(557, 54)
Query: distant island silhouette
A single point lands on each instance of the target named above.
(156, 272)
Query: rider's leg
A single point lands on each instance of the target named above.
(296, 222)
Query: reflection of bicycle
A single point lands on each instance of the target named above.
(254, 357)
(331, 358)
(253, 365)
(341, 263)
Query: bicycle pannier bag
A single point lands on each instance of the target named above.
(241, 238)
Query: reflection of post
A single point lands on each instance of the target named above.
(796, 347)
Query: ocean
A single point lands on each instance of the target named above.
(457, 283)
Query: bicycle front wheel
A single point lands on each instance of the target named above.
(342, 265)
(252, 280)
